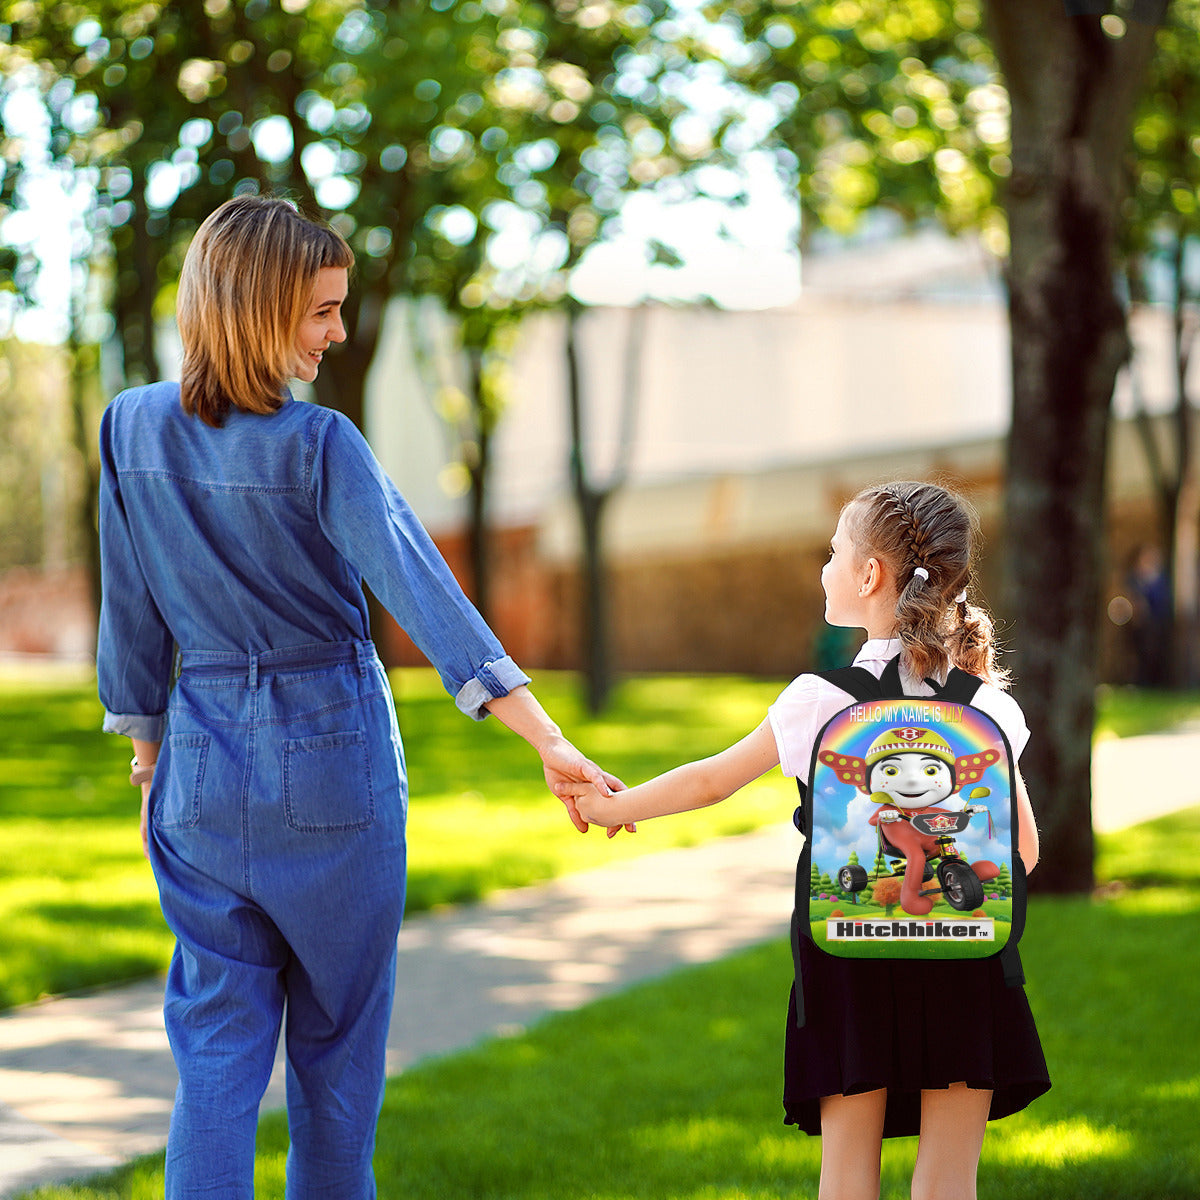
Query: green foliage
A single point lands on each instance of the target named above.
(420, 130)
(1164, 206)
(885, 104)
(681, 1099)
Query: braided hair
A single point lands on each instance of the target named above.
(924, 534)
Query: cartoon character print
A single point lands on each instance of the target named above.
(908, 772)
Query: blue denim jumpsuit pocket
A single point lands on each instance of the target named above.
(277, 840)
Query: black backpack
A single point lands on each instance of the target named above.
(910, 829)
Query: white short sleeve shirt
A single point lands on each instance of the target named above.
(808, 702)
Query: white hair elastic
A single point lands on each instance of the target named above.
(924, 574)
(961, 598)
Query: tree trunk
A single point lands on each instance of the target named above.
(591, 501)
(137, 256)
(1184, 551)
(478, 465)
(1072, 92)
(83, 369)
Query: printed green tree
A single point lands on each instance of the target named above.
(1003, 882)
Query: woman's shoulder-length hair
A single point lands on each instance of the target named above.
(246, 279)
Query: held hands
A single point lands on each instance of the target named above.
(570, 776)
(595, 806)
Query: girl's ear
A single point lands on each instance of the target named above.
(871, 579)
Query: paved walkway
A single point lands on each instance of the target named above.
(86, 1082)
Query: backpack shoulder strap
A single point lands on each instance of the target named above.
(890, 685)
(858, 682)
(959, 688)
(861, 686)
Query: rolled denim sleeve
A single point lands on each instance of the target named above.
(370, 524)
(135, 649)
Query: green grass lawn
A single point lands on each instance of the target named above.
(1128, 711)
(77, 901)
(670, 1091)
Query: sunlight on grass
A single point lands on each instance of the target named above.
(691, 1136)
(1129, 711)
(1156, 853)
(1158, 902)
(1053, 1145)
(722, 1139)
(76, 915)
(485, 844)
(670, 1090)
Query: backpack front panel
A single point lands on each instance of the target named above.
(894, 774)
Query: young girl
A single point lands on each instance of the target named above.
(876, 1057)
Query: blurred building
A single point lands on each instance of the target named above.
(750, 430)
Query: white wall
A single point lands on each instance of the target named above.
(721, 392)
(725, 395)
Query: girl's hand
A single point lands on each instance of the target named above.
(593, 806)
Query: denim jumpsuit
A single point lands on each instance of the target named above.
(234, 629)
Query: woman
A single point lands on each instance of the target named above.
(237, 526)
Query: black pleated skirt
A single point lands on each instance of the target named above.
(907, 1026)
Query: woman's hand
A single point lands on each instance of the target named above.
(145, 821)
(568, 773)
(562, 763)
(145, 755)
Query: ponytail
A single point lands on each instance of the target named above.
(971, 644)
(925, 535)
